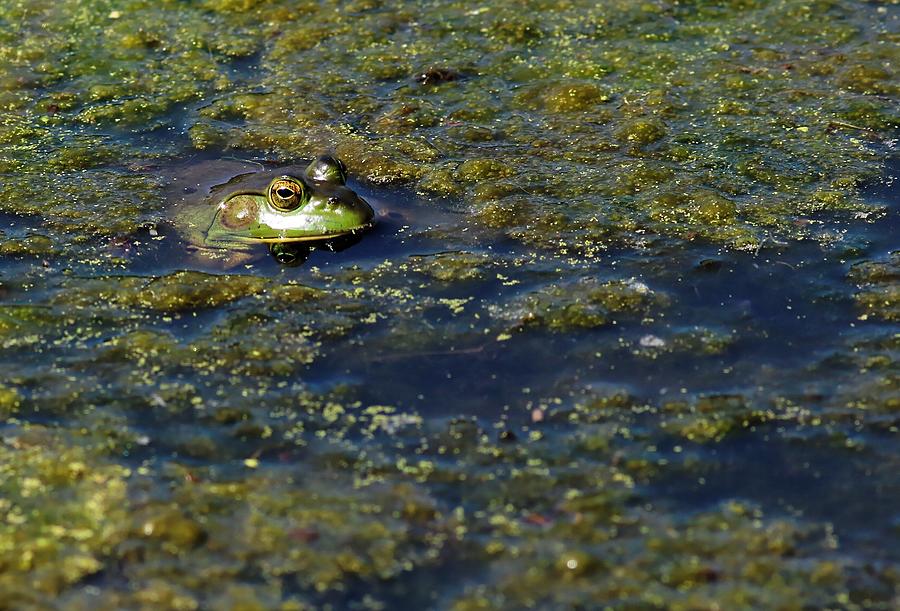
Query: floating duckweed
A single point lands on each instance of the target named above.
(867, 79)
(871, 114)
(235, 6)
(159, 593)
(405, 118)
(713, 209)
(188, 54)
(703, 209)
(82, 206)
(17, 321)
(505, 213)
(712, 417)
(724, 556)
(515, 29)
(169, 526)
(440, 181)
(206, 135)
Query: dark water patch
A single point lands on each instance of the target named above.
(244, 68)
(854, 489)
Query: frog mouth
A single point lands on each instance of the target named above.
(276, 237)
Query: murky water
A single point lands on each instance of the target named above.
(625, 333)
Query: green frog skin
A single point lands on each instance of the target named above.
(292, 212)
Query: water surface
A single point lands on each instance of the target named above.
(625, 333)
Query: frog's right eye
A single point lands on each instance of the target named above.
(286, 193)
(328, 169)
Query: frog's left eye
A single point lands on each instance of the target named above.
(285, 193)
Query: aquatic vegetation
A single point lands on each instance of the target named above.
(585, 304)
(625, 330)
(175, 292)
(642, 102)
(879, 282)
(63, 509)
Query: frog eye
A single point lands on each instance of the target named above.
(286, 193)
(327, 169)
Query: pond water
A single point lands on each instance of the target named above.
(625, 333)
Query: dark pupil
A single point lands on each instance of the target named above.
(284, 193)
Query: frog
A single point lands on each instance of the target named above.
(289, 213)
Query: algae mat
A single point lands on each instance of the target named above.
(627, 336)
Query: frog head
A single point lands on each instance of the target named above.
(315, 206)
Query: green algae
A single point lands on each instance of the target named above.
(18, 321)
(578, 528)
(452, 267)
(582, 305)
(173, 293)
(62, 509)
(9, 401)
(560, 511)
(34, 245)
(697, 342)
(188, 57)
(563, 97)
(710, 418)
(697, 575)
(879, 296)
(641, 131)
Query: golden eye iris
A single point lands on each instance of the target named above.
(285, 193)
